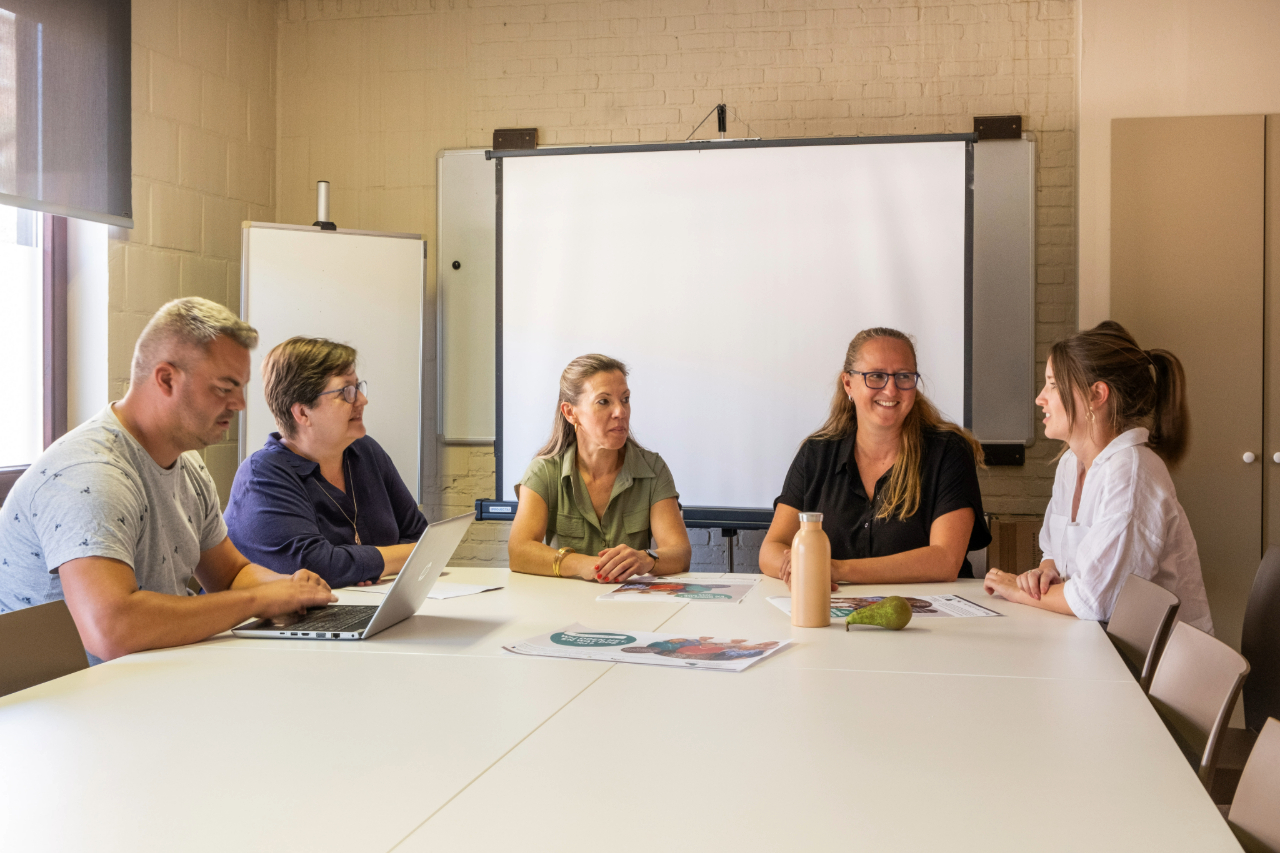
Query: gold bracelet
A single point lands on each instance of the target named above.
(560, 555)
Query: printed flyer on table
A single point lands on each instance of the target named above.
(921, 605)
(705, 652)
(647, 588)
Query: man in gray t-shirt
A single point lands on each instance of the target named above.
(119, 514)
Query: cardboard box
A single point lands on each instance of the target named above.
(1015, 542)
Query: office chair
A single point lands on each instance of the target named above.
(1140, 624)
(38, 644)
(1194, 688)
(1255, 811)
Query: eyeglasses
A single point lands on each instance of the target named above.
(350, 392)
(877, 380)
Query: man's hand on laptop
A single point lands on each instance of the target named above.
(293, 594)
(308, 576)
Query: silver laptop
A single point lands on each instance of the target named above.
(359, 622)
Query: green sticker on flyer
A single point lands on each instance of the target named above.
(589, 639)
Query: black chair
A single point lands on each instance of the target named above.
(1260, 645)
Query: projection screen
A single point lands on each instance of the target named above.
(730, 281)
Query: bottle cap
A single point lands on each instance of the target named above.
(806, 517)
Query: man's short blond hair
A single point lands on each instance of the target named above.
(191, 321)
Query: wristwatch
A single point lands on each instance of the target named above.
(653, 555)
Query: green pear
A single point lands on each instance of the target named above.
(894, 612)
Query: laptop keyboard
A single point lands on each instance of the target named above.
(341, 618)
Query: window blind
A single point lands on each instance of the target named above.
(64, 108)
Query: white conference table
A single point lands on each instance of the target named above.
(1014, 733)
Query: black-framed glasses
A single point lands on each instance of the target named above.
(350, 392)
(877, 380)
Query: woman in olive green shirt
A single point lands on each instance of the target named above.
(592, 494)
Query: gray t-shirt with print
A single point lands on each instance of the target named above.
(97, 493)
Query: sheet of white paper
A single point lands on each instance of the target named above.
(443, 589)
(705, 652)
(922, 606)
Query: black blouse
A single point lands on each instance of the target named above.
(824, 478)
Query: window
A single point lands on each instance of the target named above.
(21, 338)
(32, 336)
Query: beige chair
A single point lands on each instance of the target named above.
(1195, 688)
(1140, 624)
(1255, 811)
(38, 644)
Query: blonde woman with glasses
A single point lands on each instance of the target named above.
(896, 484)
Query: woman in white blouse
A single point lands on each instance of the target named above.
(1122, 412)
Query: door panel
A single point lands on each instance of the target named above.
(1271, 480)
(1187, 276)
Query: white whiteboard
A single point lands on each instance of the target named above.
(731, 282)
(359, 288)
(1003, 292)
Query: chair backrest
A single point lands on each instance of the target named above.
(1140, 625)
(1255, 811)
(38, 644)
(1195, 687)
(1260, 643)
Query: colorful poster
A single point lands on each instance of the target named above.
(921, 605)
(704, 652)
(649, 588)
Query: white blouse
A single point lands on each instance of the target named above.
(1129, 521)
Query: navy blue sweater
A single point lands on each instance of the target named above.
(283, 515)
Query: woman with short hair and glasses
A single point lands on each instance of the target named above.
(897, 485)
(321, 494)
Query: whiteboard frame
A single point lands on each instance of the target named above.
(446, 281)
(1005, 251)
(968, 138)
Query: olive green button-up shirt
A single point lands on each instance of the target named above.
(571, 519)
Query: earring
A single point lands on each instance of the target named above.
(850, 398)
(1091, 414)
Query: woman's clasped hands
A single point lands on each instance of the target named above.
(621, 563)
(1031, 584)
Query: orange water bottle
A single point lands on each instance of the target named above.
(811, 574)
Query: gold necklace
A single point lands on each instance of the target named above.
(352, 487)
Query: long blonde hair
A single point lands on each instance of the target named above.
(902, 494)
(572, 380)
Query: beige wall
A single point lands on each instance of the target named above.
(1142, 58)
(370, 91)
(204, 140)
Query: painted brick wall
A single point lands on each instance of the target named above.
(370, 90)
(204, 159)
